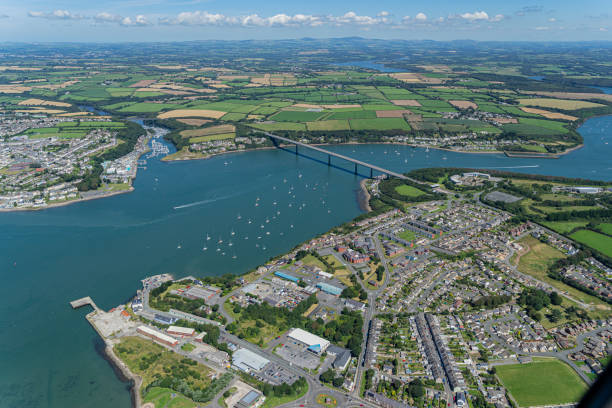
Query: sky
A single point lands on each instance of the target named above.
(184, 20)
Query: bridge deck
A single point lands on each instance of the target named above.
(340, 156)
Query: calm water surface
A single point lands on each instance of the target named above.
(103, 248)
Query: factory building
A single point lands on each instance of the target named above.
(286, 276)
(181, 331)
(247, 361)
(331, 289)
(157, 336)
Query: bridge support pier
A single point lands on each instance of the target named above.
(296, 150)
(355, 168)
(329, 160)
(371, 173)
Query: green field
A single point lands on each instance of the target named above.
(220, 136)
(145, 107)
(271, 127)
(148, 359)
(408, 191)
(536, 263)
(407, 235)
(605, 227)
(379, 124)
(595, 240)
(542, 382)
(233, 116)
(297, 116)
(328, 125)
(162, 398)
(564, 226)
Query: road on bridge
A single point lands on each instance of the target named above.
(341, 156)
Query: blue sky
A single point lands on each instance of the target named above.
(181, 20)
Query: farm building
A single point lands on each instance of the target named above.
(157, 336)
(313, 342)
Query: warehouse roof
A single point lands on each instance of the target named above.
(311, 340)
(246, 360)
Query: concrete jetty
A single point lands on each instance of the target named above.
(83, 302)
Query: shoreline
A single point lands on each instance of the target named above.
(363, 197)
(120, 369)
(65, 203)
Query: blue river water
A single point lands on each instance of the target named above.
(263, 202)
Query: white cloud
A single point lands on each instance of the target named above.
(542, 28)
(139, 20)
(204, 18)
(477, 15)
(420, 17)
(383, 14)
(353, 18)
(56, 15)
(105, 17)
(603, 29)
(196, 18)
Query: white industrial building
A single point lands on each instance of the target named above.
(245, 360)
(313, 342)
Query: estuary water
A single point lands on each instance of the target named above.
(263, 203)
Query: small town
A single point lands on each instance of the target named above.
(50, 160)
(430, 306)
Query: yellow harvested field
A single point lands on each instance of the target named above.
(412, 77)
(194, 122)
(40, 102)
(506, 120)
(172, 67)
(405, 102)
(49, 111)
(463, 104)
(274, 80)
(338, 106)
(12, 89)
(435, 68)
(70, 114)
(548, 114)
(16, 68)
(56, 86)
(143, 83)
(572, 95)
(213, 130)
(564, 104)
(232, 77)
(305, 105)
(191, 113)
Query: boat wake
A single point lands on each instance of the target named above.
(196, 203)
